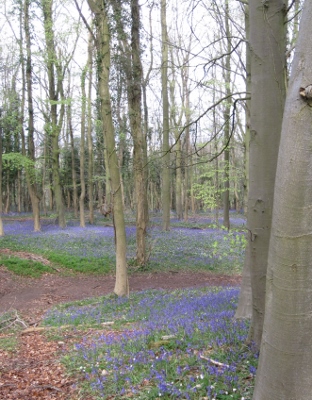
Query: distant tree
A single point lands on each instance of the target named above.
(31, 151)
(165, 188)
(82, 146)
(89, 131)
(227, 114)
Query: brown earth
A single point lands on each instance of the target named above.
(33, 371)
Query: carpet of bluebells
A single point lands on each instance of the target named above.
(156, 344)
(196, 245)
(162, 345)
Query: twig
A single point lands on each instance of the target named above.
(55, 269)
(47, 387)
(214, 362)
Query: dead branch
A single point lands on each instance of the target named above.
(11, 321)
(214, 362)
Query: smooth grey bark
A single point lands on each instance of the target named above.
(285, 363)
(267, 44)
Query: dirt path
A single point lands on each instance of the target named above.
(26, 294)
(33, 371)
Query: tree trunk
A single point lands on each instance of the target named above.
(54, 83)
(133, 71)
(73, 159)
(1, 194)
(103, 50)
(227, 116)
(165, 103)
(89, 136)
(30, 173)
(267, 104)
(137, 134)
(186, 159)
(82, 148)
(285, 363)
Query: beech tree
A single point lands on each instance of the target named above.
(268, 72)
(285, 363)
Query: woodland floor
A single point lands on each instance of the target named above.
(33, 371)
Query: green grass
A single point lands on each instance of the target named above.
(94, 265)
(24, 267)
(60, 260)
(10, 325)
(9, 343)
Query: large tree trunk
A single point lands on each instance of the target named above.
(286, 350)
(267, 43)
(165, 103)
(103, 50)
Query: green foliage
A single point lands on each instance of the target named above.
(208, 188)
(209, 185)
(16, 161)
(232, 245)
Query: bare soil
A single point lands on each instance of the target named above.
(33, 371)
